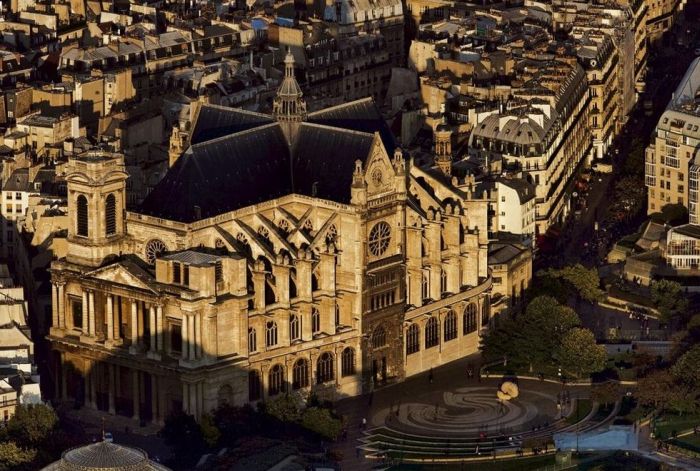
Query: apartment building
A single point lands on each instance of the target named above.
(671, 169)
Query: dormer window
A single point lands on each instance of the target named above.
(186, 275)
(218, 272)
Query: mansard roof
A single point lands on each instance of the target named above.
(238, 159)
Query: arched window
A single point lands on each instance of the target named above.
(348, 362)
(443, 281)
(270, 334)
(254, 385)
(300, 374)
(110, 215)
(412, 339)
(469, 319)
(324, 368)
(485, 311)
(425, 286)
(294, 327)
(315, 321)
(379, 337)
(450, 330)
(252, 340)
(82, 210)
(276, 380)
(432, 333)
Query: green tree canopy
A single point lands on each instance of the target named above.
(31, 424)
(531, 338)
(184, 437)
(670, 300)
(583, 281)
(606, 393)
(687, 368)
(13, 458)
(580, 354)
(655, 389)
(285, 407)
(321, 422)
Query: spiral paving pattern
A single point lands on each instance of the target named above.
(469, 410)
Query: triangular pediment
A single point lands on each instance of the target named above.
(121, 275)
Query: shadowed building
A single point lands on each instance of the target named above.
(293, 252)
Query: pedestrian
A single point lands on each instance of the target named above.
(363, 425)
(430, 376)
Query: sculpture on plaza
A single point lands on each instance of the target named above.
(507, 391)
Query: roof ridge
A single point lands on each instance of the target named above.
(340, 106)
(238, 110)
(235, 134)
(334, 128)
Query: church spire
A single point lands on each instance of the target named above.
(289, 105)
(443, 148)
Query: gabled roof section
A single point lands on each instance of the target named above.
(215, 121)
(127, 273)
(360, 115)
(324, 160)
(223, 175)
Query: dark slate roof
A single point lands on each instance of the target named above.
(240, 158)
(324, 161)
(217, 121)
(222, 175)
(360, 115)
(18, 181)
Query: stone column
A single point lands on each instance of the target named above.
(61, 306)
(134, 327)
(198, 336)
(93, 385)
(86, 313)
(192, 338)
(54, 306)
(152, 326)
(154, 399)
(135, 394)
(186, 398)
(91, 302)
(112, 388)
(200, 400)
(64, 379)
(141, 319)
(185, 337)
(159, 328)
(110, 318)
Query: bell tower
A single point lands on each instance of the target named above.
(443, 148)
(289, 106)
(96, 206)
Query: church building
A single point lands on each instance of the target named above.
(297, 251)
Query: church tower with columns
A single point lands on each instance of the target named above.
(443, 148)
(289, 106)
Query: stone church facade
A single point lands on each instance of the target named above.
(292, 252)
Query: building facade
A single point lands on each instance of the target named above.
(292, 272)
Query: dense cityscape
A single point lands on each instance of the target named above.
(349, 235)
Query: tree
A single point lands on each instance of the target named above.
(210, 433)
(184, 437)
(12, 457)
(606, 393)
(530, 339)
(31, 424)
(583, 281)
(236, 422)
(655, 389)
(580, 354)
(669, 299)
(321, 422)
(687, 368)
(286, 408)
